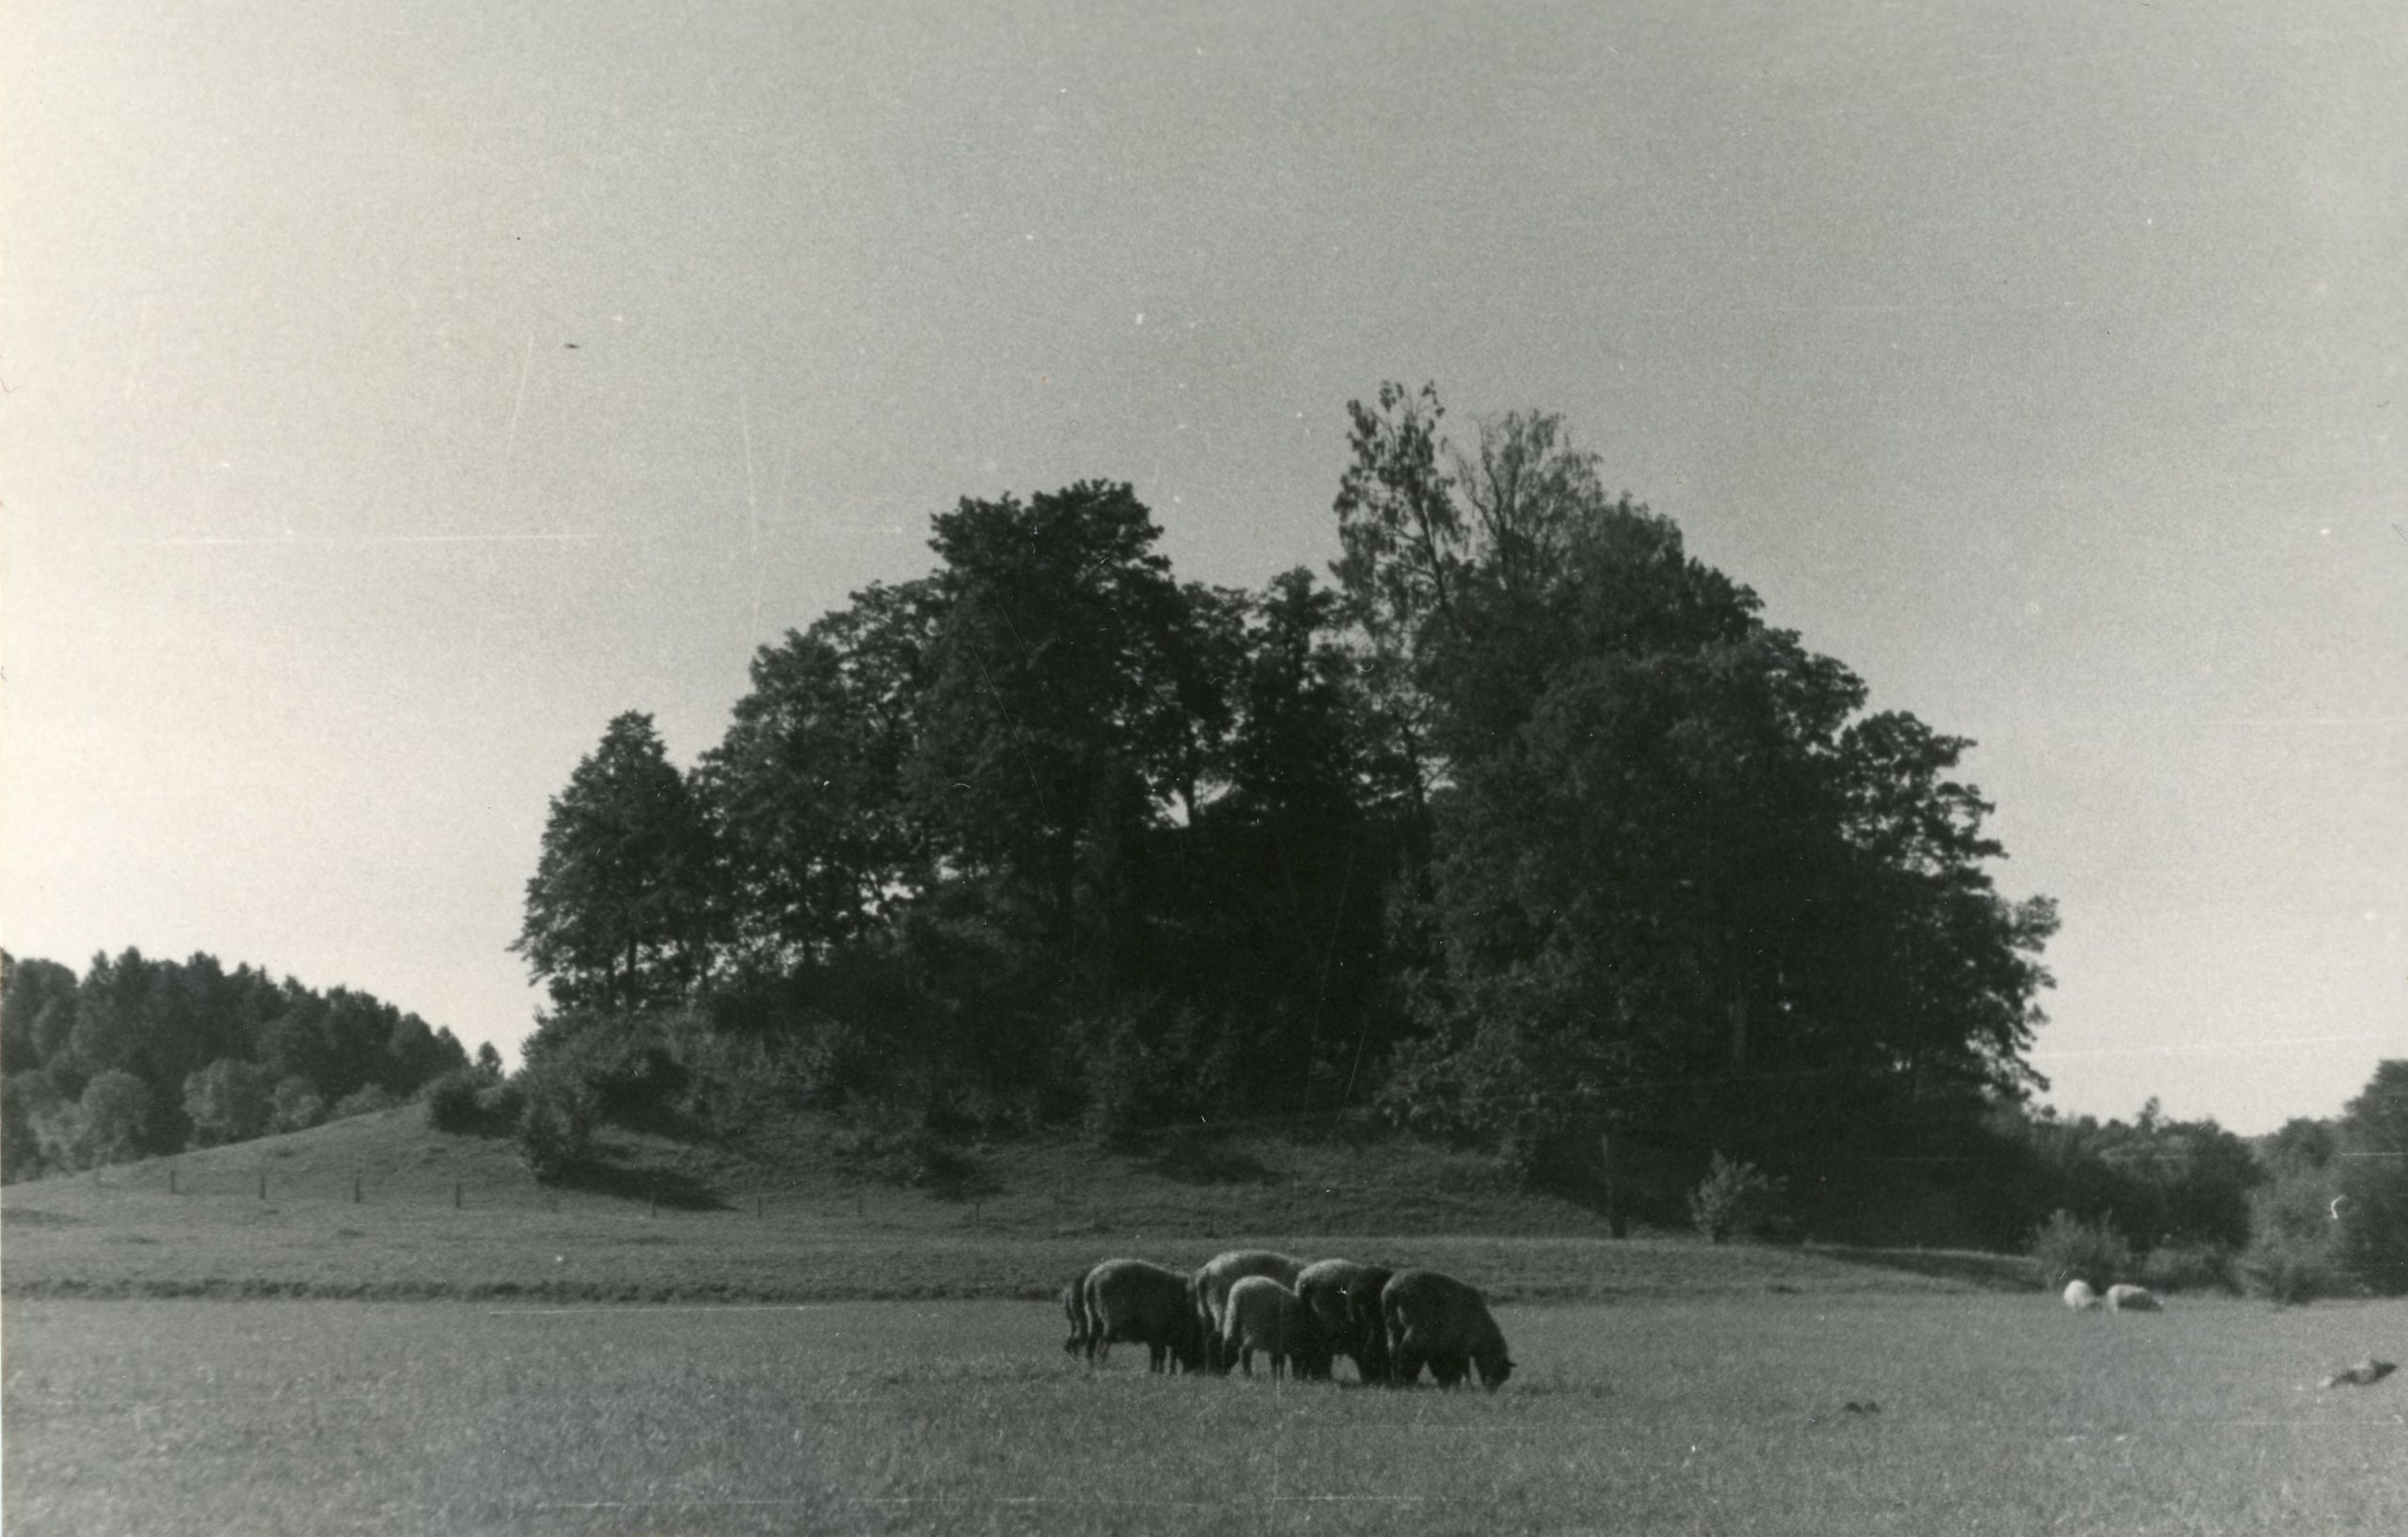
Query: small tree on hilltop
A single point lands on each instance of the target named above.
(617, 910)
(1735, 1198)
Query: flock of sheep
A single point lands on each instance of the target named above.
(2118, 1299)
(1389, 1322)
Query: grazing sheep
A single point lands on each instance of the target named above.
(1263, 1315)
(1370, 1327)
(2132, 1299)
(1210, 1287)
(1075, 1307)
(1327, 1287)
(2080, 1297)
(1129, 1300)
(1439, 1321)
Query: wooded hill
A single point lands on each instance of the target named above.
(141, 1058)
(1528, 831)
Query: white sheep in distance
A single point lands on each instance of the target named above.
(2125, 1298)
(2080, 1297)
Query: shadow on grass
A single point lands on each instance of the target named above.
(1990, 1272)
(1196, 1161)
(667, 1187)
(948, 1174)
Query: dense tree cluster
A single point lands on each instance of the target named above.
(1529, 830)
(142, 1057)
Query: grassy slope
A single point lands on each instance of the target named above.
(785, 1221)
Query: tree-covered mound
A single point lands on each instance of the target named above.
(1529, 831)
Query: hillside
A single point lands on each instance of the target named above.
(381, 1205)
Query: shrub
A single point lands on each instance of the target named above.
(2294, 1254)
(633, 1064)
(1733, 1197)
(555, 1123)
(501, 1105)
(298, 1105)
(364, 1101)
(2191, 1267)
(2070, 1249)
(229, 1101)
(451, 1101)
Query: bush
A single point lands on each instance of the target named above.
(298, 1105)
(501, 1105)
(1733, 1197)
(2070, 1249)
(229, 1101)
(633, 1064)
(2295, 1247)
(365, 1102)
(555, 1123)
(451, 1101)
(2191, 1267)
(2290, 1273)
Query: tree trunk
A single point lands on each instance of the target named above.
(1617, 1220)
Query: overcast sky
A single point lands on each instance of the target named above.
(2042, 362)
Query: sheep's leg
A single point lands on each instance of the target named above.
(1403, 1365)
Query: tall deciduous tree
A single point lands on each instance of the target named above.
(617, 911)
(116, 1119)
(1054, 686)
(1676, 881)
(806, 789)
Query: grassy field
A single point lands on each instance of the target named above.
(1996, 1413)
(705, 1343)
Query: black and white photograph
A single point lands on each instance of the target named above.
(827, 767)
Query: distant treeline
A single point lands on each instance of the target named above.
(1528, 831)
(142, 1057)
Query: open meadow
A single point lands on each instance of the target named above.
(447, 1348)
(1996, 1413)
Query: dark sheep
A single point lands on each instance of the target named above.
(1438, 1320)
(1210, 1291)
(1131, 1301)
(1326, 1287)
(1367, 1324)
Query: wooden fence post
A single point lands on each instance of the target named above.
(355, 1190)
(458, 1202)
(263, 1184)
(171, 1179)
